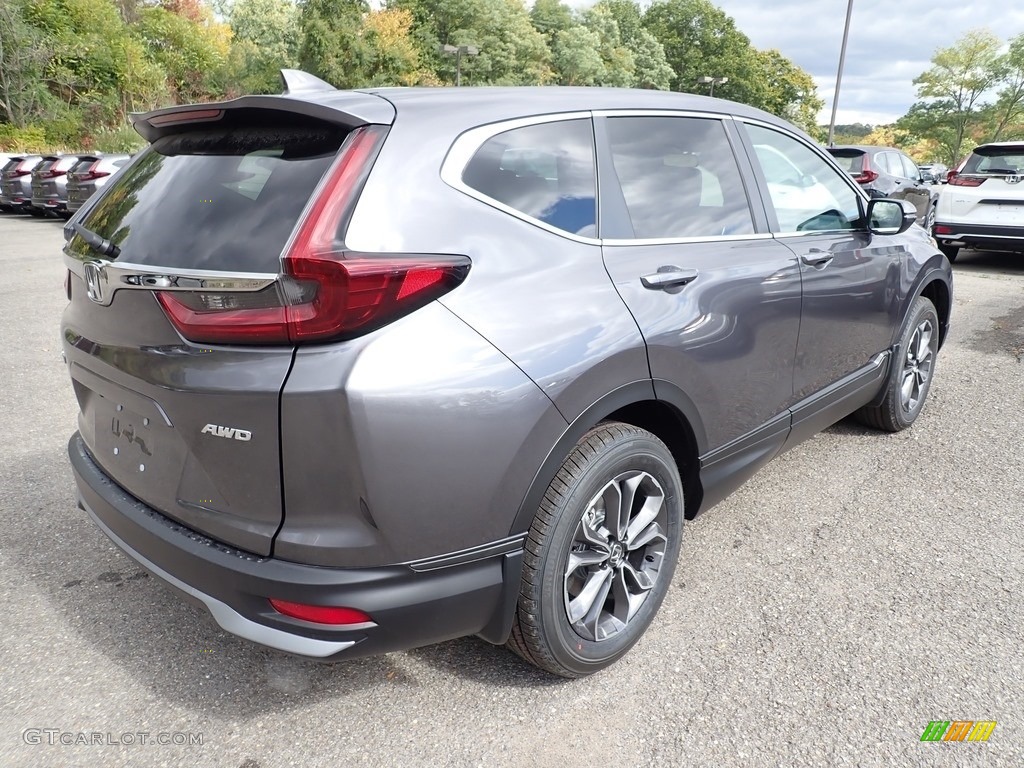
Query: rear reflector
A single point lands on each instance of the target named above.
(326, 293)
(942, 229)
(320, 614)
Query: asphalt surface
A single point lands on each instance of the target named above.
(857, 588)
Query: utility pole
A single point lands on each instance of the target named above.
(839, 74)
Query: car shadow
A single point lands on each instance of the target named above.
(987, 262)
(145, 628)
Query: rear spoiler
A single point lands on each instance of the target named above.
(305, 94)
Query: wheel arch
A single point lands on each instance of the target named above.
(938, 293)
(659, 408)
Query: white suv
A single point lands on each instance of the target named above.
(983, 205)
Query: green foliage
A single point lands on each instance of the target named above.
(72, 70)
(265, 40)
(332, 46)
(30, 138)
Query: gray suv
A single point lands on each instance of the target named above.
(362, 371)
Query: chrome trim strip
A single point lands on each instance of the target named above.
(972, 235)
(611, 242)
(472, 554)
(110, 277)
(627, 112)
(228, 618)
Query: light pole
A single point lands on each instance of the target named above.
(839, 74)
(713, 81)
(458, 51)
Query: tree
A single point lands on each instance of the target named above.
(956, 82)
(265, 40)
(786, 90)
(701, 40)
(193, 49)
(549, 17)
(511, 50)
(1008, 111)
(332, 41)
(23, 53)
(650, 68)
(576, 56)
(394, 59)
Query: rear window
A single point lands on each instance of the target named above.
(224, 199)
(44, 166)
(996, 160)
(851, 162)
(82, 165)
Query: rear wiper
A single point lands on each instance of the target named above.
(100, 245)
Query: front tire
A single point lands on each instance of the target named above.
(910, 377)
(600, 553)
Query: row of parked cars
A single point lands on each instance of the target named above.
(53, 185)
(981, 204)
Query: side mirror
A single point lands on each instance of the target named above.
(890, 217)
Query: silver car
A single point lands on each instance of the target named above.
(49, 184)
(16, 183)
(89, 174)
(361, 371)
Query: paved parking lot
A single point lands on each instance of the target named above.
(857, 588)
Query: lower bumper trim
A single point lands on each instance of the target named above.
(229, 619)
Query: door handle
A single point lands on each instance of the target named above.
(817, 258)
(668, 277)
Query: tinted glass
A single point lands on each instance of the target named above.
(910, 169)
(679, 177)
(545, 171)
(224, 199)
(851, 162)
(996, 160)
(806, 192)
(82, 165)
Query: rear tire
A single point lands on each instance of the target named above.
(600, 553)
(912, 370)
(949, 251)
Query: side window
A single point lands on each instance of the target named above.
(910, 169)
(545, 171)
(806, 192)
(882, 161)
(678, 177)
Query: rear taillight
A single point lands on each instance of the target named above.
(326, 292)
(89, 175)
(950, 175)
(321, 614)
(966, 181)
(865, 177)
(24, 168)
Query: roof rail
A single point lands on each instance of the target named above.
(297, 81)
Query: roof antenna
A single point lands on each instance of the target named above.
(297, 81)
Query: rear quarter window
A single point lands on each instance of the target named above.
(218, 199)
(545, 171)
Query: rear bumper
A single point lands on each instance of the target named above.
(410, 604)
(983, 236)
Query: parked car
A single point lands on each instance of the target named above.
(362, 371)
(16, 183)
(887, 172)
(49, 184)
(933, 173)
(90, 173)
(983, 206)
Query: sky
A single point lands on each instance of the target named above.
(891, 42)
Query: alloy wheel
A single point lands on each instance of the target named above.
(917, 367)
(616, 555)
